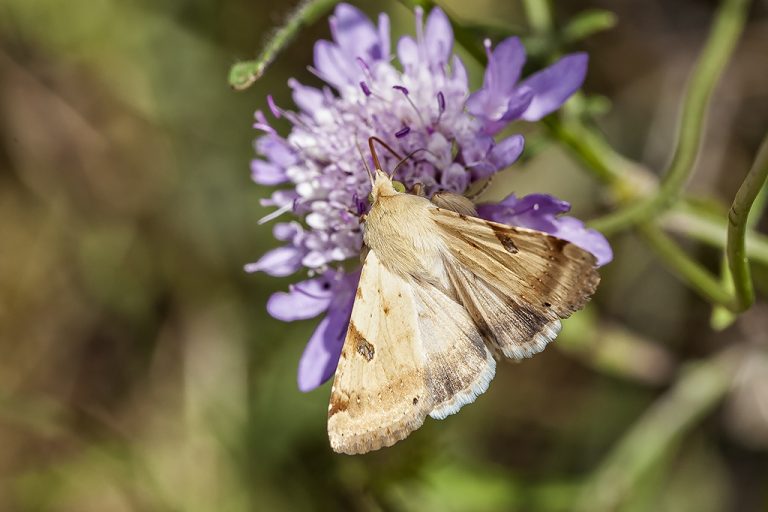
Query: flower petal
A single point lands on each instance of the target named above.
(554, 85)
(266, 173)
(279, 262)
(506, 151)
(455, 179)
(285, 231)
(504, 67)
(334, 66)
(384, 41)
(355, 34)
(308, 99)
(438, 38)
(573, 230)
(540, 212)
(276, 149)
(306, 299)
(321, 355)
(408, 53)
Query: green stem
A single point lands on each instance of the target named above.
(591, 148)
(727, 27)
(243, 74)
(738, 217)
(689, 270)
(710, 230)
(698, 389)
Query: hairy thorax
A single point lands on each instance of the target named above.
(403, 235)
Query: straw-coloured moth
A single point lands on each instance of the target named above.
(442, 295)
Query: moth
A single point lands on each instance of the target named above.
(442, 295)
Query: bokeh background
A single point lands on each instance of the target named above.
(140, 372)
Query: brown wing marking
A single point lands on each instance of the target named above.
(379, 393)
(516, 283)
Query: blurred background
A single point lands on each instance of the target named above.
(139, 370)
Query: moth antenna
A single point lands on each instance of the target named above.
(375, 157)
(365, 162)
(407, 157)
(481, 190)
(386, 146)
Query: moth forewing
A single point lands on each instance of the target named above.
(410, 351)
(516, 283)
(379, 393)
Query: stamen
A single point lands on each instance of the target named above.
(407, 97)
(440, 106)
(365, 88)
(401, 89)
(364, 66)
(275, 214)
(276, 111)
(261, 122)
(402, 132)
(419, 12)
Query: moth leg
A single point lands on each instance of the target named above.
(418, 189)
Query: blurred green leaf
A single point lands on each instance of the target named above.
(588, 23)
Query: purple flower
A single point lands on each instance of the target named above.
(502, 99)
(543, 213)
(424, 108)
(334, 293)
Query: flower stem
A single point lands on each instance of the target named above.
(689, 270)
(710, 230)
(244, 73)
(726, 29)
(589, 146)
(738, 217)
(698, 389)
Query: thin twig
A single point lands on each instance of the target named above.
(726, 29)
(738, 216)
(243, 74)
(696, 276)
(709, 229)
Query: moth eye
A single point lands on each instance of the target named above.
(399, 187)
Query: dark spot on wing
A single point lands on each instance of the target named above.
(337, 405)
(366, 350)
(415, 400)
(362, 346)
(503, 236)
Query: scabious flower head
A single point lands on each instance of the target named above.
(421, 107)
